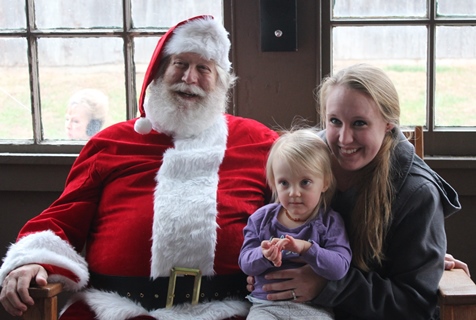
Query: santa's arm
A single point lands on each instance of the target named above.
(59, 258)
(55, 238)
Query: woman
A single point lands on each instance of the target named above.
(393, 205)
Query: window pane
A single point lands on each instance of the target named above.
(455, 69)
(457, 8)
(78, 14)
(166, 13)
(378, 8)
(400, 51)
(69, 65)
(12, 14)
(15, 102)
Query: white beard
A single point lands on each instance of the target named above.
(177, 117)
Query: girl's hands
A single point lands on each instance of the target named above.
(296, 245)
(272, 250)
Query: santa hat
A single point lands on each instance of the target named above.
(202, 35)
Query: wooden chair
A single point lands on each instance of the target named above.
(46, 302)
(415, 136)
(456, 297)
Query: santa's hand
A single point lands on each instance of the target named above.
(14, 296)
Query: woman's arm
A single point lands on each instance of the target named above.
(406, 285)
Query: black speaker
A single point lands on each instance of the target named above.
(278, 24)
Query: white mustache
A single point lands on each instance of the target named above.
(189, 89)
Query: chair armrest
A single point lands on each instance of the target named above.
(457, 296)
(48, 291)
(46, 302)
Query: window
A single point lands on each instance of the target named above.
(53, 50)
(428, 47)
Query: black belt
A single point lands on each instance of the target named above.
(159, 293)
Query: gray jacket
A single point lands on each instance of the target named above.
(405, 286)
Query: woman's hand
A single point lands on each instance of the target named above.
(250, 283)
(452, 263)
(14, 296)
(303, 281)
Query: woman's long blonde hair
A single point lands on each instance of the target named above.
(372, 212)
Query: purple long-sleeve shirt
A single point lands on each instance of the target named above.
(329, 255)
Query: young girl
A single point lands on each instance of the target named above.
(300, 228)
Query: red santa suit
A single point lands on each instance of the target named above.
(143, 204)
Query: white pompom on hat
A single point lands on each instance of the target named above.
(202, 35)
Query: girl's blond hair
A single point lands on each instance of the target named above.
(303, 149)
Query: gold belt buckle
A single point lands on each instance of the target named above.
(173, 279)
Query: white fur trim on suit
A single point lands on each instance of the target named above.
(111, 306)
(207, 37)
(185, 203)
(47, 248)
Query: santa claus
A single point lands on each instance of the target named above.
(157, 204)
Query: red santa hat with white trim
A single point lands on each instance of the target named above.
(202, 35)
